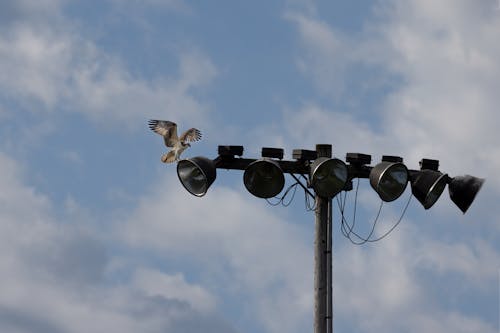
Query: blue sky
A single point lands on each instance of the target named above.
(97, 235)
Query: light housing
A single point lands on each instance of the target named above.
(358, 158)
(196, 174)
(273, 152)
(304, 154)
(230, 151)
(427, 186)
(264, 178)
(389, 180)
(463, 190)
(328, 176)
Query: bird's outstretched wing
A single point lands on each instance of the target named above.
(192, 134)
(165, 128)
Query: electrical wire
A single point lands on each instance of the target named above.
(396, 224)
(281, 199)
(294, 187)
(348, 229)
(362, 240)
(307, 198)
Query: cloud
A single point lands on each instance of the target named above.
(251, 253)
(176, 5)
(59, 276)
(155, 283)
(434, 65)
(326, 55)
(48, 67)
(389, 274)
(444, 103)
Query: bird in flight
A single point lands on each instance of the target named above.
(168, 130)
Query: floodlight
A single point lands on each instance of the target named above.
(389, 179)
(328, 176)
(463, 190)
(427, 186)
(196, 174)
(264, 178)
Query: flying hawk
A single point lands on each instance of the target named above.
(168, 130)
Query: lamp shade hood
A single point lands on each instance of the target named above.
(196, 174)
(427, 186)
(328, 176)
(389, 180)
(264, 178)
(463, 190)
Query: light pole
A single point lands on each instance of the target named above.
(323, 257)
(327, 176)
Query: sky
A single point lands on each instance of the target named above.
(97, 235)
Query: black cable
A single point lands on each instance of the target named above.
(395, 225)
(345, 225)
(273, 204)
(309, 207)
(281, 199)
(364, 240)
(351, 228)
(302, 185)
(294, 186)
(347, 229)
(341, 205)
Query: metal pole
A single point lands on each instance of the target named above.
(321, 255)
(329, 281)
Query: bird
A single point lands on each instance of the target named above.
(168, 130)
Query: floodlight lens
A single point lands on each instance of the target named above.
(435, 192)
(428, 186)
(264, 178)
(389, 180)
(328, 176)
(196, 175)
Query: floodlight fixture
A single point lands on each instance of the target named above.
(264, 178)
(196, 174)
(230, 151)
(358, 158)
(463, 190)
(304, 154)
(392, 158)
(328, 176)
(389, 180)
(428, 164)
(427, 186)
(273, 152)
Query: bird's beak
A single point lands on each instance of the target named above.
(189, 145)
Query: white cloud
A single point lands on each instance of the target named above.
(56, 276)
(250, 252)
(382, 283)
(47, 66)
(446, 64)
(176, 5)
(444, 106)
(327, 54)
(155, 283)
(34, 64)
